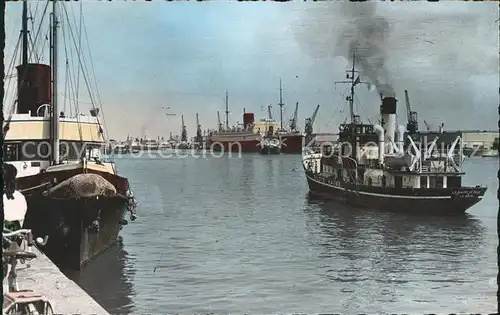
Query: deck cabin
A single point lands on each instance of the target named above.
(435, 163)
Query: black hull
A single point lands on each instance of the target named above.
(436, 202)
(73, 237)
(266, 150)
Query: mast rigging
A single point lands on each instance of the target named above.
(281, 107)
(55, 114)
(227, 112)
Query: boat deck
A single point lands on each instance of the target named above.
(66, 296)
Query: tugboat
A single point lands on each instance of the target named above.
(74, 194)
(419, 172)
(270, 144)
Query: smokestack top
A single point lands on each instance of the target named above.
(388, 105)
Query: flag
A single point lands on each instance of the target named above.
(357, 81)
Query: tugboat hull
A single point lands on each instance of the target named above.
(78, 230)
(442, 201)
(270, 150)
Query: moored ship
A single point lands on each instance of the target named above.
(237, 139)
(74, 195)
(291, 139)
(379, 167)
(270, 146)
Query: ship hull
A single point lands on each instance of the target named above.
(244, 146)
(292, 144)
(442, 201)
(73, 237)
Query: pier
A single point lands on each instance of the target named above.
(44, 277)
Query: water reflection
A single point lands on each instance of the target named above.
(391, 250)
(111, 286)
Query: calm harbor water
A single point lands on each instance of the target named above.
(240, 235)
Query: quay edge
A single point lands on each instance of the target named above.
(66, 297)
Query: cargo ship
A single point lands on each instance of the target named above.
(380, 167)
(74, 195)
(246, 138)
(291, 139)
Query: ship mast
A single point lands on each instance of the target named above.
(24, 31)
(53, 65)
(352, 82)
(351, 97)
(281, 107)
(227, 112)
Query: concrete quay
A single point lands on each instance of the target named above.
(44, 277)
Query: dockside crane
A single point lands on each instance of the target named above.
(429, 127)
(184, 130)
(199, 133)
(412, 125)
(293, 121)
(309, 125)
(219, 124)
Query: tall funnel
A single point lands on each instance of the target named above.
(388, 112)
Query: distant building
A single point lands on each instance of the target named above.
(479, 138)
(326, 137)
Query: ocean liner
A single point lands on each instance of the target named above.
(74, 196)
(379, 167)
(246, 139)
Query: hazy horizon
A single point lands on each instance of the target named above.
(186, 55)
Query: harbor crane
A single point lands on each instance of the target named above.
(309, 125)
(293, 121)
(429, 127)
(184, 130)
(219, 123)
(412, 125)
(199, 133)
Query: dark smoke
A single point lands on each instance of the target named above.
(365, 37)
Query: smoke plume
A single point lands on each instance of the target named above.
(365, 38)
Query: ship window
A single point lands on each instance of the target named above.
(11, 152)
(398, 181)
(370, 181)
(423, 181)
(436, 182)
(35, 151)
(439, 182)
(454, 181)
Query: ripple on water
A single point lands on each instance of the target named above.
(241, 236)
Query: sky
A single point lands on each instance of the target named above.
(185, 55)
